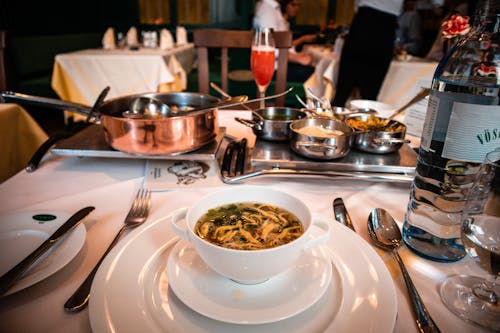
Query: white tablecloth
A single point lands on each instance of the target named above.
(80, 76)
(21, 137)
(70, 183)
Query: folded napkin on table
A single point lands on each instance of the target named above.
(166, 40)
(132, 37)
(181, 35)
(108, 40)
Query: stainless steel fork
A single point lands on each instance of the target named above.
(137, 215)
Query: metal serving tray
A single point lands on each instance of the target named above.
(91, 142)
(273, 160)
(279, 155)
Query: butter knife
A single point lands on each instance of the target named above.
(341, 214)
(9, 278)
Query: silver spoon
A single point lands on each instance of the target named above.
(385, 233)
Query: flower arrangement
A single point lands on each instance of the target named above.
(455, 28)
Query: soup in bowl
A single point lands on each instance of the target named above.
(249, 233)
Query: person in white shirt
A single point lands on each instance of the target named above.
(275, 14)
(368, 49)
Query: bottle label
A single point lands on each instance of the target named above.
(468, 130)
(473, 131)
(430, 122)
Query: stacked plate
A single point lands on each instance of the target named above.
(155, 282)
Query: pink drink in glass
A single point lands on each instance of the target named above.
(262, 61)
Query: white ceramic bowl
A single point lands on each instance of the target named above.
(249, 266)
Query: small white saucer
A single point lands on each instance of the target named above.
(220, 298)
(22, 232)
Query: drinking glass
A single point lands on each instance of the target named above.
(262, 60)
(472, 298)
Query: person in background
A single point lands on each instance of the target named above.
(409, 32)
(368, 49)
(276, 15)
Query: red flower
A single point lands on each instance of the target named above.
(457, 25)
(485, 70)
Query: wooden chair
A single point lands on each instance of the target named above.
(3, 65)
(226, 39)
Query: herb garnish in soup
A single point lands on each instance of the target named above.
(248, 226)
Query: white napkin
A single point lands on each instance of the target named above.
(181, 35)
(166, 40)
(162, 175)
(132, 37)
(108, 40)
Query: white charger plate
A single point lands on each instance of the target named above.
(131, 291)
(21, 233)
(220, 298)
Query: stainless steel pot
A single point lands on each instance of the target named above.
(272, 123)
(322, 147)
(184, 132)
(375, 141)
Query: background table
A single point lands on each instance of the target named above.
(110, 185)
(21, 137)
(402, 81)
(80, 76)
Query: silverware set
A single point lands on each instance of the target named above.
(12, 276)
(385, 233)
(382, 229)
(136, 216)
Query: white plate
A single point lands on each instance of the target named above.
(131, 291)
(383, 109)
(23, 232)
(220, 298)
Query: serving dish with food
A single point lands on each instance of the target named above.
(178, 134)
(320, 138)
(377, 135)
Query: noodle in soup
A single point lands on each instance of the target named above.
(248, 226)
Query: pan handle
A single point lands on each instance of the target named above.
(10, 96)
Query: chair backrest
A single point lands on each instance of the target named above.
(3, 65)
(226, 39)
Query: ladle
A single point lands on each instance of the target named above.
(146, 107)
(385, 233)
(423, 92)
(227, 96)
(237, 101)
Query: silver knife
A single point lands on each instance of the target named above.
(9, 278)
(341, 214)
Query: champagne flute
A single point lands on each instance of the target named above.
(262, 60)
(472, 298)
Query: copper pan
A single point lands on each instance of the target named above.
(171, 135)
